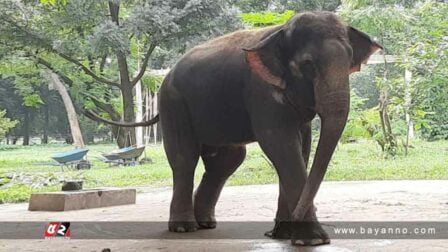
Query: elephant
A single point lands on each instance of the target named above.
(262, 85)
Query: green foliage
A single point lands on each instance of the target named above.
(366, 124)
(364, 85)
(353, 161)
(282, 5)
(54, 2)
(427, 56)
(27, 79)
(107, 37)
(152, 82)
(93, 45)
(32, 100)
(21, 193)
(266, 18)
(354, 128)
(5, 124)
(253, 5)
(416, 32)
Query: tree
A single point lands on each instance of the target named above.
(386, 22)
(68, 104)
(94, 45)
(427, 59)
(25, 97)
(21, 99)
(413, 31)
(11, 102)
(5, 124)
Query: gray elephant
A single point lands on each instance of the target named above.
(263, 85)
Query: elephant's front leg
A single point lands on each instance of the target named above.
(282, 228)
(284, 149)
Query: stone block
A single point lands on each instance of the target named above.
(84, 199)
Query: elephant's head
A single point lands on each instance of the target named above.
(319, 50)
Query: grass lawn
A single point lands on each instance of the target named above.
(353, 161)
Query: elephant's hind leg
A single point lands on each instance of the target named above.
(219, 163)
(182, 150)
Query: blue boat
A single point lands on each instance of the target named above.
(70, 156)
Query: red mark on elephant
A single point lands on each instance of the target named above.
(257, 65)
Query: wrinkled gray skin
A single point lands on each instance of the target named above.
(263, 85)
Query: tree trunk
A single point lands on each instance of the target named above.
(26, 127)
(128, 100)
(46, 124)
(139, 114)
(139, 106)
(407, 106)
(390, 144)
(69, 107)
(120, 136)
(128, 114)
(389, 139)
(125, 85)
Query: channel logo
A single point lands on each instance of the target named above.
(58, 230)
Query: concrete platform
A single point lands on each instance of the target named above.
(83, 199)
(336, 201)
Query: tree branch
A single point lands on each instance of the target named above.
(48, 65)
(108, 108)
(144, 64)
(50, 48)
(114, 9)
(103, 63)
(85, 69)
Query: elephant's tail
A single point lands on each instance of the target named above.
(92, 115)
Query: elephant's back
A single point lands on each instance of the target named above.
(211, 78)
(220, 61)
(235, 40)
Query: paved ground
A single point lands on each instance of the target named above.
(336, 201)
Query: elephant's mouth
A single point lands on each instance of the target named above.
(305, 111)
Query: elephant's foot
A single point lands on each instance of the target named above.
(207, 224)
(182, 226)
(205, 220)
(281, 230)
(308, 234)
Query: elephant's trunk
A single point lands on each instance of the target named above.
(333, 111)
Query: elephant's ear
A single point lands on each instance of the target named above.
(264, 59)
(363, 46)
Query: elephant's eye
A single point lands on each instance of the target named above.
(307, 68)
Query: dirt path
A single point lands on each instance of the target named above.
(336, 201)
